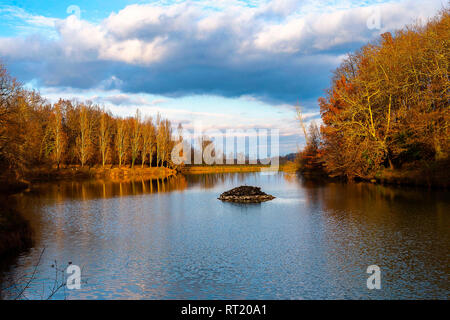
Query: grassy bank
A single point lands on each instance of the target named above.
(199, 169)
(425, 174)
(76, 172)
(289, 167)
(434, 175)
(15, 232)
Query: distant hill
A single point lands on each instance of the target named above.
(288, 157)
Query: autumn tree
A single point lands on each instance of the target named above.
(309, 160)
(33, 132)
(388, 103)
(164, 142)
(135, 137)
(84, 140)
(104, 136)
(55, 140)
(9, 137)
(148, 139)
(121, 140)
(180, 153)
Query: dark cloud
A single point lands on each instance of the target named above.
(271, 53)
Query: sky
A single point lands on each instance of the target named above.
(227, 64)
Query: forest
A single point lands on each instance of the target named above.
(36, 133)
(387, 109)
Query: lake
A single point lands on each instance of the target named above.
(173, 239)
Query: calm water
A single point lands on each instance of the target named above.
(174, 240)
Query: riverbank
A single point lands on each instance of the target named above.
(79, 173)
(199, 169)
(8, 186)
(289, 167)
(437, 176)
(432, 175)
(15, 232)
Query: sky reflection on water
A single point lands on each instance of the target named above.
(173, 239)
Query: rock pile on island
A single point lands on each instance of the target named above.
(246, 194)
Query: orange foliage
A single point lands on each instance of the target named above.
(388, 105)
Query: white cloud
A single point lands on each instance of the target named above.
(268, 49)
(281, 38)
(150, 33)
(19, 13)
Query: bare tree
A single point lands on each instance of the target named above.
(121, 140)
(136, 137)
(24, 286)
(84, 142)
(55, 139)
(159, 139)
(164, 141)
(104, 135)
(148, 138)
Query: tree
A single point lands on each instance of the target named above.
(136, 137)
(148, 138)
(159, 139)
(388, 103)
(55, 138)
(121, 140)
(104, 135)
(9, 136)
(84, 143)
(309, 160)
(164, 142)
(34, 132)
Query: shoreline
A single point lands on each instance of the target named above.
(15, 232)
(78, 173)
(232, 168)
(407, 177)
(410, 179)
(436, 176)
(397, 178)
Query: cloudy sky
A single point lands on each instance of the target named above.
(229, 64)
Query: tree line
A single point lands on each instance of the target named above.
(34, 132)
(387, 107)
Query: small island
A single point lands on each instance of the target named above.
(246, 194)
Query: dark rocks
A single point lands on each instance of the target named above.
(246, 194)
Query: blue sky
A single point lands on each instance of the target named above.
(229, 64)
